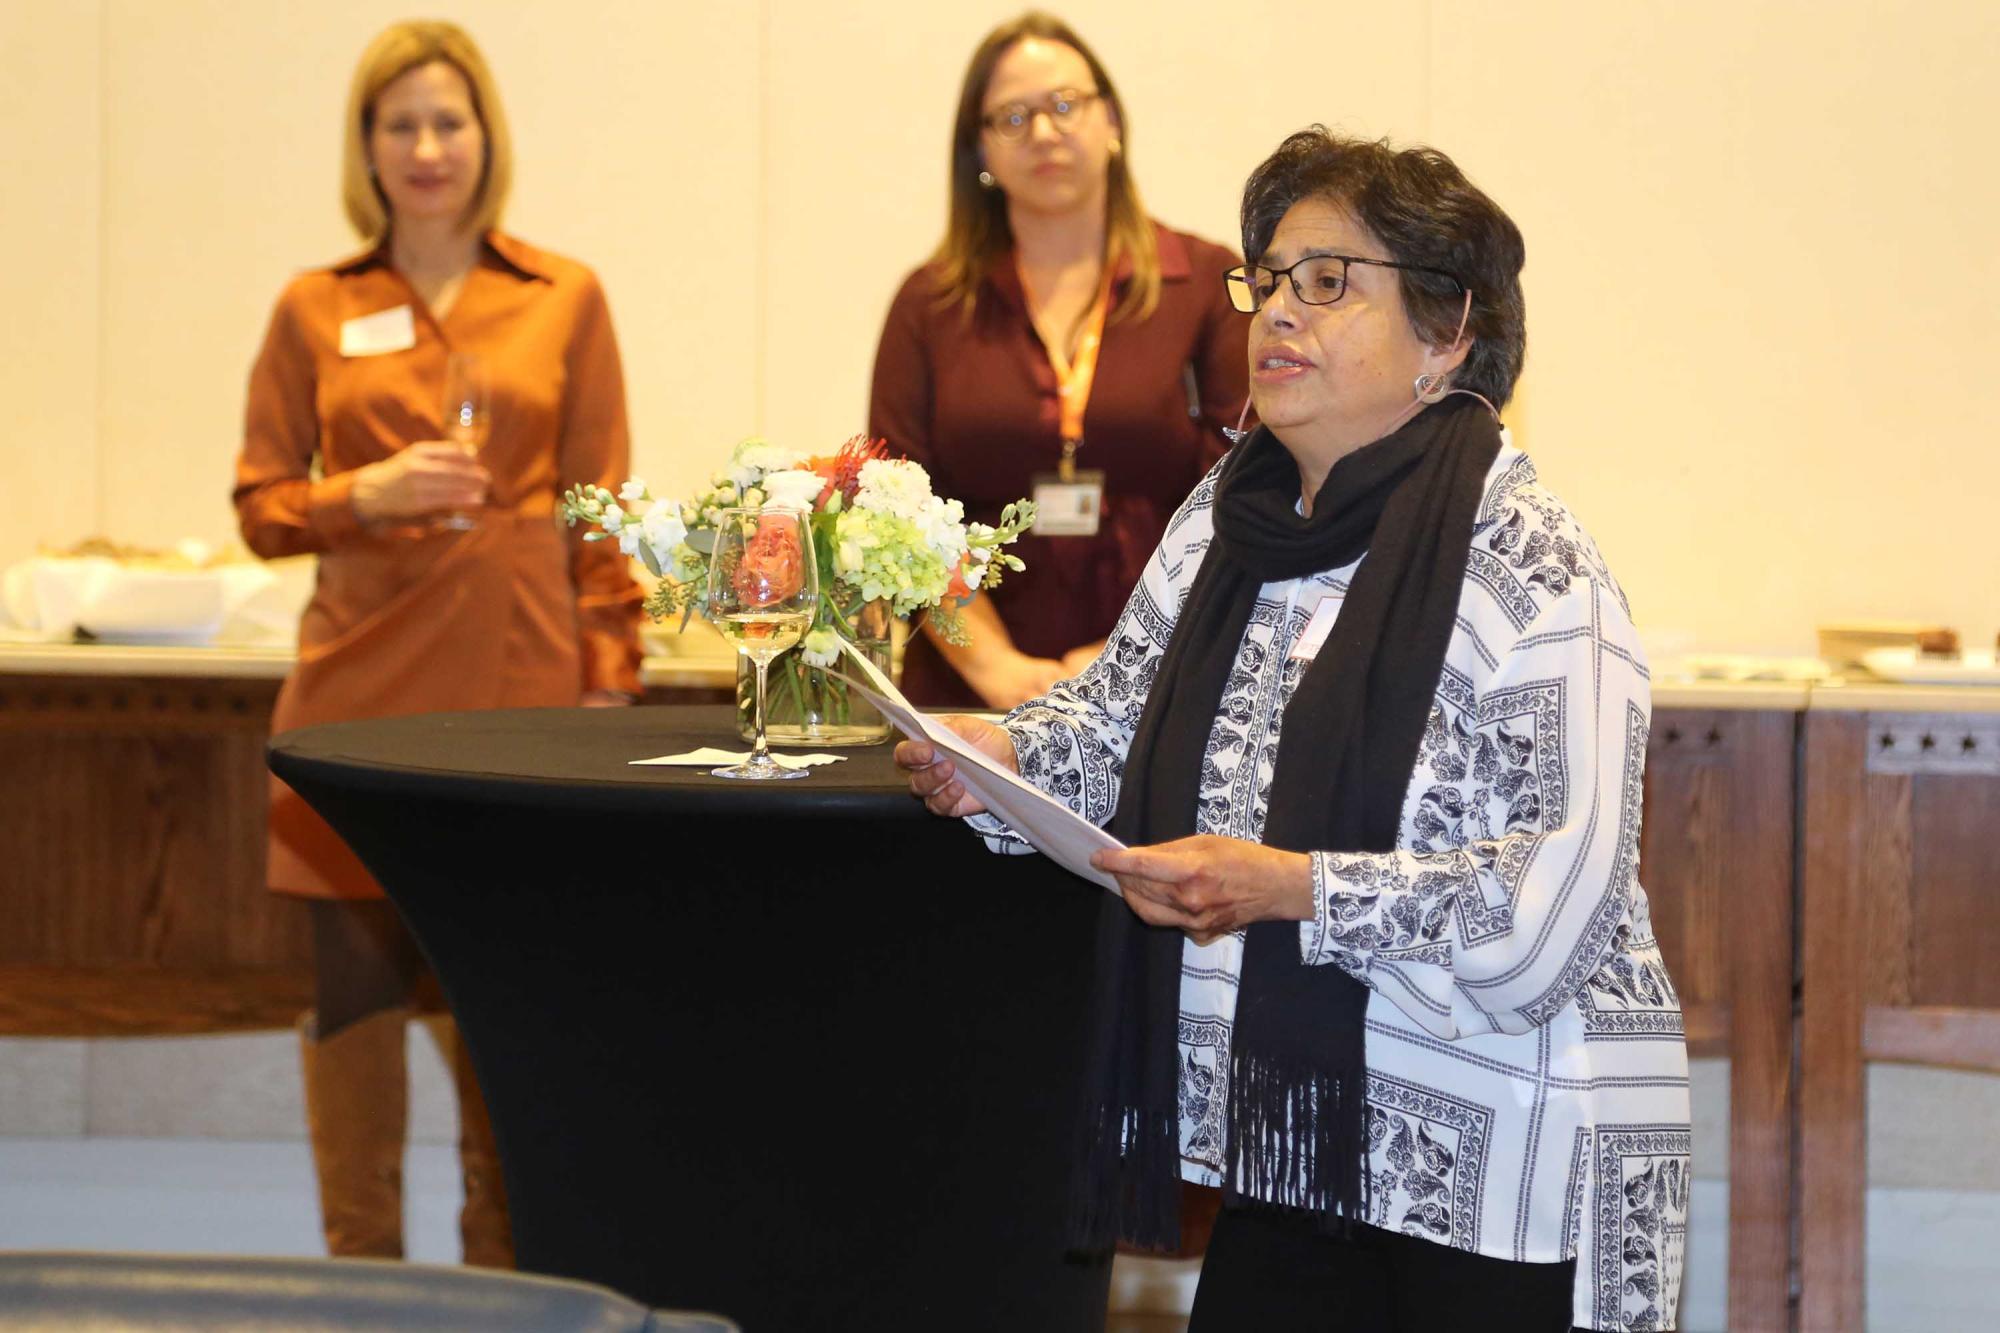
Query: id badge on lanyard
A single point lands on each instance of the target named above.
(1070, 501)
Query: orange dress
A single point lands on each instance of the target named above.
(515, 613)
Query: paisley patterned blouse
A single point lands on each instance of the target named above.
(1527, 1069)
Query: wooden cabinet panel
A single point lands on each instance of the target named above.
(1900, 905)
(1716, 861)
(1954, 891)
(132, 841)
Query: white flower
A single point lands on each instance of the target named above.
(821, 647)
(614, 518)
(664, 530)
(635, 489)
(794, 488)
(628, 540)
(943, 524)
(894, 486)
(754, 457)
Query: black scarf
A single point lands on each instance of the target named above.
(1297, 1113)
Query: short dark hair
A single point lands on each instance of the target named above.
(1422, 208)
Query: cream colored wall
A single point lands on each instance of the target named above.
(1760, 258)
(51, 124)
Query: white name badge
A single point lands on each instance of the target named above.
(392, 330)
(1313, 637)
(1068, 508)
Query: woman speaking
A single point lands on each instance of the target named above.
(1372, 729)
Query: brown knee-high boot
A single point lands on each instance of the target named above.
(357, 1105)
(483, 1225)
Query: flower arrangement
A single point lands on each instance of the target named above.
(881, 536)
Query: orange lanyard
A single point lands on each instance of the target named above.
(1074, 375)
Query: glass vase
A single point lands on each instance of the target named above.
(804, 705)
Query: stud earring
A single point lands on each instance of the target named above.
(986, 181)
(1117, 147)
(1430, 387)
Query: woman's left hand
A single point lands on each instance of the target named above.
(1208, 886)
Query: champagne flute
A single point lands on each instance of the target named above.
(468, 416)
(763, 588)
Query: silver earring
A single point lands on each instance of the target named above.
(1430, 387)
(986, 181)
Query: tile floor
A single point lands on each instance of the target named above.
(196, 1145)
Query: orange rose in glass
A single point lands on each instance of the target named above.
(772, 568)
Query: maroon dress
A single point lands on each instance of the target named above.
(975, 403)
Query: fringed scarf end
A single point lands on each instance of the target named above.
(1298, 1140)
(1127, 1182)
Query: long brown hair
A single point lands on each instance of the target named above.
(977, 232)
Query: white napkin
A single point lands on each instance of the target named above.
(710, 757)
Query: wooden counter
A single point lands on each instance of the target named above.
(1900, 923)
(132, 845)
(1716, 862)
(132, 805)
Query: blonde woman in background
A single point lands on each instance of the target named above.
(1059, 343)
(343, 457)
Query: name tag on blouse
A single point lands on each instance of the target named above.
(1068, 508)
(385, 331)
(1313, 637)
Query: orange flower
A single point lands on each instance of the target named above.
(773, 567)
(959, 587)
(843, 469)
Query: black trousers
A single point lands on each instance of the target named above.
(1274, 1273)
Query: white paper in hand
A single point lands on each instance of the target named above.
(1056, 831)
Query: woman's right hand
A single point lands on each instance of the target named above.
(934, 778)
(428, 477)
(1012, 678)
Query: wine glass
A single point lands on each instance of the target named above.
(468, 416)
(763, 588)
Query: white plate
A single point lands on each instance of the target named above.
(1907, 666)
(1738, 667)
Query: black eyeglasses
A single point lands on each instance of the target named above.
(1014, 121)
(1317, 279)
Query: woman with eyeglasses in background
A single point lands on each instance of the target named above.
(444, 580)
(1060, 344)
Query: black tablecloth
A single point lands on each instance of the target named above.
(796, 1052)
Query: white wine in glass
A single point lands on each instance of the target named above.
(762, 635)
(763, 588)
(468, 417)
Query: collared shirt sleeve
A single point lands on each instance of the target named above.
(1501, 933)
(1072, 741)
(281, 508)
(595, 446)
